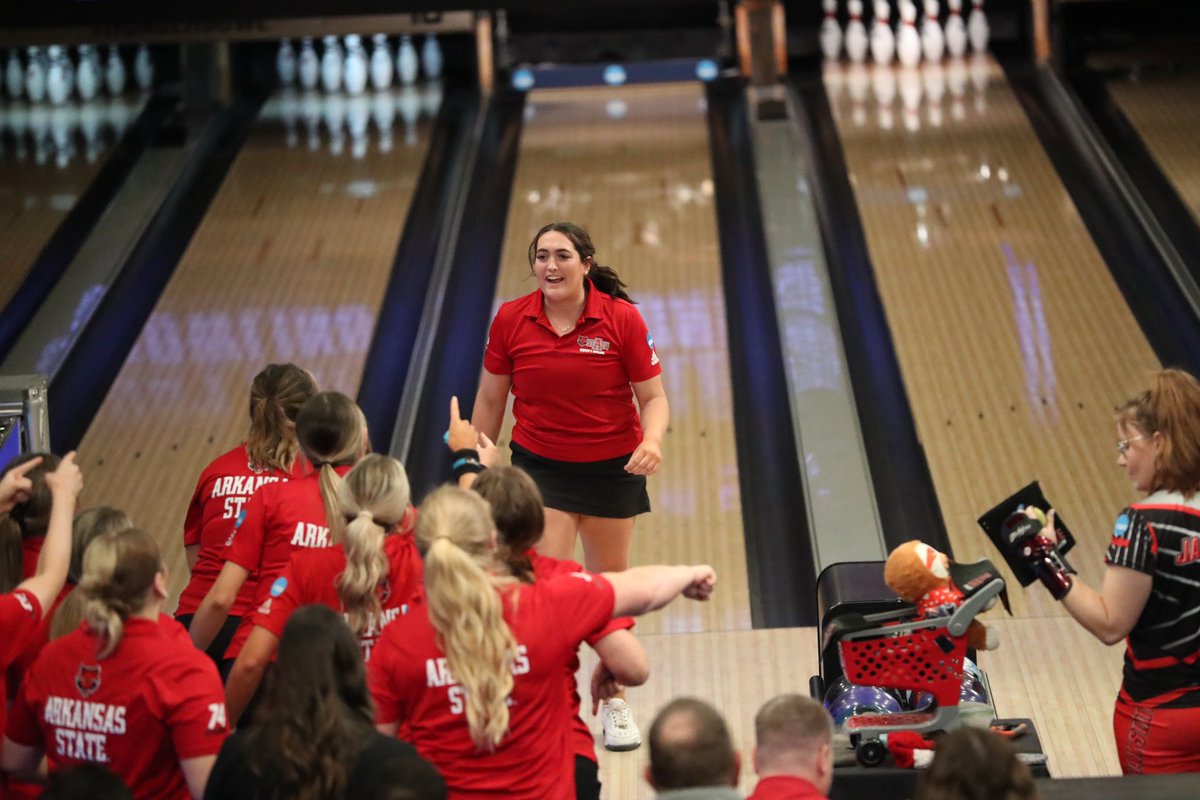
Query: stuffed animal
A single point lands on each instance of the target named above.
(920, 574)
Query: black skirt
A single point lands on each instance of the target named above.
(594, 488)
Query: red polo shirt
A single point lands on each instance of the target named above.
(572, 399)
(785, 787)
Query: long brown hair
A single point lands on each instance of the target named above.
(25, 520)
(1170, 407)
(118, 574)
(519, 514)
(975, 764)
(88, 526)
(602, 277)
(331, 430)
(276, 396)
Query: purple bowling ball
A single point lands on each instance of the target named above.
(845, 700)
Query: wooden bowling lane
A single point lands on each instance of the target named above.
(1014, 342)
(289, 264)
(1164, 107)
(632, 166)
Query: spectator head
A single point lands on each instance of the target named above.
(29, 518)
(794, 736)
(690, 747)
(518, 511)
(975, 764)
(85, 782)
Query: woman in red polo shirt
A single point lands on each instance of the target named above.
(372, 576)
(268, 455)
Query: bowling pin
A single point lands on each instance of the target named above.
(977, 27)
(87, 78)
(308, 65)
(114, 72)
(383, 112)
(956, 30)
(331, 64)
(14, 75)
(58, 85)
(354, 71)
(409, 105)
(358, 119)
(933, 40)
(431, 57)
(406, 62)
(381, 62)
(285, 63)
(143, 68)
(831, 32)
(35, 76)
(908, 41)
(883, 40)
(856, 33)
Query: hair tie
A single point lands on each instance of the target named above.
(366, 514)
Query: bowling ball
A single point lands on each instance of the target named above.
(844, 700)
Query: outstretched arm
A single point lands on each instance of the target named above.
(642, 589)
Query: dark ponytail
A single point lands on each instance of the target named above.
(602, 277)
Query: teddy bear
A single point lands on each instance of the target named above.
(920, 574)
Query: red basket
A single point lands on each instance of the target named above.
(926, 659)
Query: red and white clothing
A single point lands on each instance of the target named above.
(280, 519)
(155, 701)
(20, 614)
(545, 568)
(221, 493)
(785, 787)
(413, 687)
(595, 419)
(311, 577)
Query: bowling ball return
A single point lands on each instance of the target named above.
(873, 639)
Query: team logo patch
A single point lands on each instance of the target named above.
(592, 344)
(1122, 526)
(279, 586)
(653, 353)
(87, 679)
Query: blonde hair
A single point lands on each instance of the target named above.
(455, 527)
(1170, 407)
(331, 430)
(88, 525)
(119, 568)
(276, 396)
(373, 497)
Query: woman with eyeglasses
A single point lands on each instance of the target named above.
(1151, 590)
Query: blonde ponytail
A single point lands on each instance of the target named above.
(465, 607)
(88, 526)
(119, 569)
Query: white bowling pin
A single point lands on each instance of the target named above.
(409, 106)
(381, 62)
(358, 119)
(406, 61)
(383, 112)
(431, 57)
(331, 64)
(977, 27)
(831, 32)
(354, 71)
(285, 63)
(883, 40)
(143, 68)
(908, 41)
(35, 76)
(114, 72)
(87, 78)
(308, 65)
(956, 30)
(933, 40)
(58, 81)
(856, 33)
(14, 75)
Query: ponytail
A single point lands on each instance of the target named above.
(26, 520)
(603, 278)
(1171, 408)
(88, 526)
(466, 609)
(519, 513)
(331, 431)
(276, 396)
(119, 569)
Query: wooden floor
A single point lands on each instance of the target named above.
(1164, 107)
(289, 264)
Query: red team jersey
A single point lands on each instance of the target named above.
(221, 493)
(279, 519)
(785, 787)
(154, 702)
(610, 348)
(311, 577)
(413, 687)
(20, 613)
(545, 568)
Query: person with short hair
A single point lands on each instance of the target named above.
(793, 749)
(975, 764)
(691, 753)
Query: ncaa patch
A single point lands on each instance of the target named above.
(279, 586)
(1122, 525)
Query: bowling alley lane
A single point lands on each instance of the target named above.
(289, 263)
(1164, 107)
(1014, 342)
(49, 155)
(632, 166)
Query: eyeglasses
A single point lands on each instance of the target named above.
(1123, 445)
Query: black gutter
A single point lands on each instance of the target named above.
(1123, 139)
(1137, 262)
(904, 490)
(87, 374)
(390, 355)
(779, 554)
(456, 356)
(62, 247)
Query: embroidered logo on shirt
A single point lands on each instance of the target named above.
(24, 602)
(653, 353)
(592, 344)
(87, 679)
